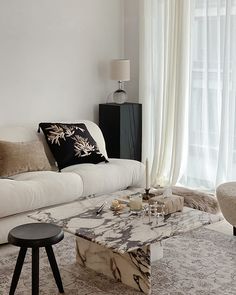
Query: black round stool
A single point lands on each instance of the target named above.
(35, 235)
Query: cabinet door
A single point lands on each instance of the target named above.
(122, 129)
(130, 131)
(109, 122)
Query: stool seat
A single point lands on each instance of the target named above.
(35, 235)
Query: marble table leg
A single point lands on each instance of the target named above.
(131, 268)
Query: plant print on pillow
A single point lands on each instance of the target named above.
(71, 144)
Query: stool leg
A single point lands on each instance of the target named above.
(17, 271)
(54, 267)
(35, 271)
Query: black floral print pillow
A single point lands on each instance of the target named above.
(71, 144)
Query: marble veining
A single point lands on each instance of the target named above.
(121, 232)
(120, 245)
(131, 268)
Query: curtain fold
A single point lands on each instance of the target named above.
(188, 90)
(164, 85)
(226, 169)
(211, 156)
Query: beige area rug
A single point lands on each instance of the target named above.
(199, 262)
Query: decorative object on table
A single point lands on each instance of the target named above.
(71, 143)
(147, 195)
(121, 125)
(147, 175)
(99, 210)
(171, 204)
(135, 203)
(161, 212)
(120, 71)
(35, 236)
(167, 192)
(116, 205)
(156, 213)
(194, 199)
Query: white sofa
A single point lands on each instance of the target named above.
(29, 191)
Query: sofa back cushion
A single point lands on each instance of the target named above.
(18, 157)
(97, 135)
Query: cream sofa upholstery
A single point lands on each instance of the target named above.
(33, 190)
(226, 196)
(116, 175)
(28, 190)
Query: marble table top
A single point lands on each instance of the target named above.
(120, 232)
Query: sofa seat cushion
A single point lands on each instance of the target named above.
(109, 177)
(33, 190)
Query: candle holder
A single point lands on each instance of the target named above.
(147, 195)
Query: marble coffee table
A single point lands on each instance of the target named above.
(121, 246)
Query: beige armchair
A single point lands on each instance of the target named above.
(226, 196)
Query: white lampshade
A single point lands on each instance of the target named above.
(120, 69)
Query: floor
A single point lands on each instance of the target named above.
(222, 227)
(7, 249)
(207, 274)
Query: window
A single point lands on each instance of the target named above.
(211, 156)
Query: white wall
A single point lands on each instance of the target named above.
(131, 46)
(54, 57)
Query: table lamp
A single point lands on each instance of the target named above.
(120, 71)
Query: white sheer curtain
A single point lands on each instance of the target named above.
(164, 81)
(211, 156)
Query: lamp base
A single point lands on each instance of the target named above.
(119, 96)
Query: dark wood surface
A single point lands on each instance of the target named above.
(35, 235)
(121, 125)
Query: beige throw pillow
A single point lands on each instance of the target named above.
(18, 157)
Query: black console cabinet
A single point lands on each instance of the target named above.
(121, 125)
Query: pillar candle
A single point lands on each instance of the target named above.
(147, 175)
(135, 204)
